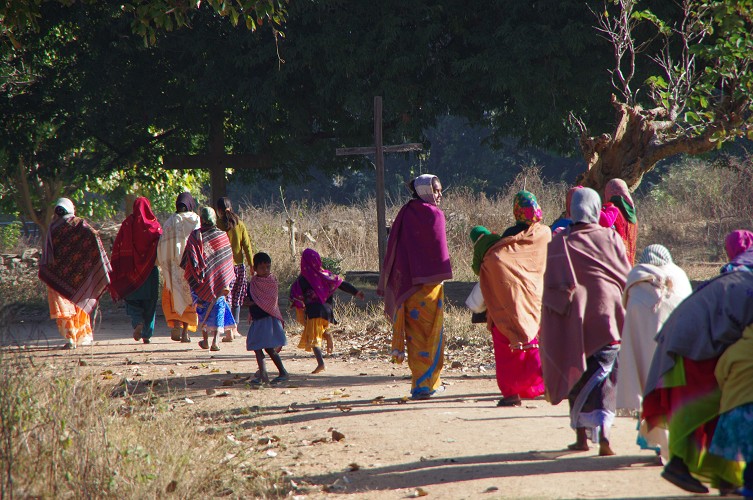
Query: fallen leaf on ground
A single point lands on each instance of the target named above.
(337, 436)
(354, 466)
(418, 492)
(344, 409)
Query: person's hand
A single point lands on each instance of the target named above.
(360, 295)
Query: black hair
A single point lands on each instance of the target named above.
(261, 258)
(60, 211)
(225, 209)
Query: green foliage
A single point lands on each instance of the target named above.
(10, 235)
(332, 264)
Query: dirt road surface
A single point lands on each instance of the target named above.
(456, 445)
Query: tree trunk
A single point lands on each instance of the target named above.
(635, 146)
(46, 192)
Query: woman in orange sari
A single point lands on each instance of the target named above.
(75, 268)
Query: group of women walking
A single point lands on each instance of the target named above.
(565, 306)
(201, 265)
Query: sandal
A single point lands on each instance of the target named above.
(683, 480)
(510, 401)
(256, 381)
(175, 334)
(281, 378)
(214, 348)
(203, 344)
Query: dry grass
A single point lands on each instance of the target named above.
(65, 436)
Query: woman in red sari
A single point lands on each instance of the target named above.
(135, 277)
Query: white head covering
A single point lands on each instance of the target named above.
(66, 204)
(424, 189)
(585, 206)
(656, 255)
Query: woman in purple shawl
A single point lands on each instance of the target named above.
(581, 320)
(416, 263)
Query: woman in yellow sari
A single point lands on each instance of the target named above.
(416, 263)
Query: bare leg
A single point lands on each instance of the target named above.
(581, 440)
(184, 334)
(330, 343)
(604, 449)
(263, 376)
(319, 360)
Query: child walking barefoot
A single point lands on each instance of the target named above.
(311, 295)
(266, 332)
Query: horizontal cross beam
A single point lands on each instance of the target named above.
(370, 150)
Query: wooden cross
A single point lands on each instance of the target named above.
(378, 150)
(216, 161)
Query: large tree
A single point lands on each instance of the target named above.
(700, 96)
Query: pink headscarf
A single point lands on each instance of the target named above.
(618, 187)
(737, 242)
(323, 282)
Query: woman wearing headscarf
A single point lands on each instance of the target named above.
(208, 266)
(416, 263)
(738, 245)
(561, 223)
(655, 286)
(682, 394)
(228, 221)
(177, 303)
(511, 277)
(135, 277)
(75, 268)
(620, 210)
(581, 319)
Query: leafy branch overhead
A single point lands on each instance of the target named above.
(699, 96)
(152, 16)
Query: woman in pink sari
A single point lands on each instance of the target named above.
(415, 265)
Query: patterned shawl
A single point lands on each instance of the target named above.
(263, 291)
(323, 282)
(416, 255)
(135, 250)
(75, 263)
(208, 262)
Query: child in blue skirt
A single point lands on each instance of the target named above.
(266, 332)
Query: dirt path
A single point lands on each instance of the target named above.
(457, 445)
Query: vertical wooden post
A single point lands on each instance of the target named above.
(380, 201)
(291, 232)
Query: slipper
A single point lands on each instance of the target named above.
(214, 348)
(578, 447)
(203, 344)
(510, 401)
(281, 378)
(256, 381)
(684, 481)
(175, 334)
(227, 339)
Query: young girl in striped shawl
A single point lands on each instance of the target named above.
(266, 332)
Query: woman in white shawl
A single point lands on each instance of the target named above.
(655, 286)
